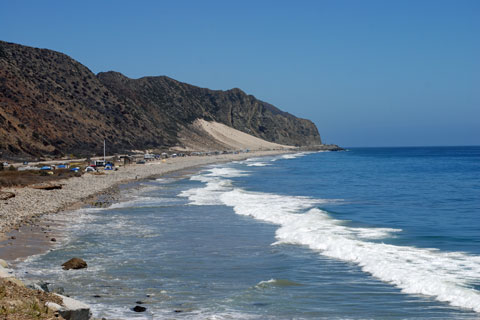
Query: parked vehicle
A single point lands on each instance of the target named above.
(99, 163)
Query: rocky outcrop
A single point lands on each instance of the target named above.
(52, 104)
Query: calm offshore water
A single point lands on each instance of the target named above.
(377, 233)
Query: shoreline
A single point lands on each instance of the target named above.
(25, 229)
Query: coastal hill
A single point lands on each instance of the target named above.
(51, 104)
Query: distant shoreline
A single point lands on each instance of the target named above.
(24, 230)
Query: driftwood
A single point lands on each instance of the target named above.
(47, 186)
(6, 195)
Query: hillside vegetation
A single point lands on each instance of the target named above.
(53, 105)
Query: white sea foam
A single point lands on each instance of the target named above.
(257, 164)
(294, 155)
(446, 276)
(276, 283)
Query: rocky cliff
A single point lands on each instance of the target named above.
(52, 104)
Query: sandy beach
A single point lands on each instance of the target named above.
(24, 211)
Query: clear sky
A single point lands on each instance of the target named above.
(368, 73)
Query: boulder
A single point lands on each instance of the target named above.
(139, 309)
(71, 309)
(74, 263)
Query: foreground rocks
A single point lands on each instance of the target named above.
(74, 263)
(32, 300)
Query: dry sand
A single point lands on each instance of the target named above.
(236, 139)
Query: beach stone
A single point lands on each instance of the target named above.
(74, 263)
(53, 240)
(139, 309)
(3, 263)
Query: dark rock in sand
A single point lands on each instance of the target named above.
(6, 195)
(53, 240)
(74, 263)
(97, 296)
(46, 186)
(139, 309)
(13, 237)
(177, 311)
(139, 302)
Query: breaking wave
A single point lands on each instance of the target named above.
(446, 276)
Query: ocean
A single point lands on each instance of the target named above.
(369, 233)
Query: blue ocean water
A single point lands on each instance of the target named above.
(373, 233)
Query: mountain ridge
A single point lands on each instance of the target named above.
(52, 104)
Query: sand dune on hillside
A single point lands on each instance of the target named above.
(235, 139)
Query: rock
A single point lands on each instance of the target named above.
(13, 237)
(6, 195)
(53, 306)
(139, 309)
(53, 240)
(139, 302)
(73, 309)
(3, 263)
(74, 263)
(37, 285)
(97, 296)
(46, 186)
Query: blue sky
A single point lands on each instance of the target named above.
(368, 73)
